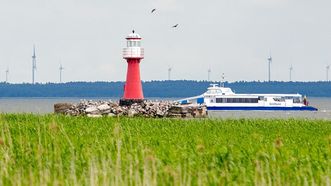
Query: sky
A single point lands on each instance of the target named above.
(233, 37)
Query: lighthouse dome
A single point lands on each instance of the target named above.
(133, 35)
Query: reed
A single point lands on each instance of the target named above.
(60, 150)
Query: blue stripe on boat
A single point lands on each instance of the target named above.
(306, 108)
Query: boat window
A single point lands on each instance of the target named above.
(261, 98)
(296, 100)
(251, 100)
(220, 100)
(237, 100)
(282, 99)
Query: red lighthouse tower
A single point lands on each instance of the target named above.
(133, 53)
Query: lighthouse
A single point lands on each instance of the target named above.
(133, 53)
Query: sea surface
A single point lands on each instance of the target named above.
(45, 106)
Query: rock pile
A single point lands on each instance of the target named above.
(145, 109)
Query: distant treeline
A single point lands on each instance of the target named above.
(178, 88)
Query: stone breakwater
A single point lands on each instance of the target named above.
(145, 109)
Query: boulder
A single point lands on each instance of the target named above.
(160, 113)
(175, 109)
(111, 115)
(132, 112)
(94, 115)
(62, 108)
(104, 108)
(92, 110)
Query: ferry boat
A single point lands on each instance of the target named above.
(223, 98)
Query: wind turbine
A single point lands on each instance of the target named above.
(7, 73)
(169, 73)
(291, 69)
(327, 72)
(61, 69)
(209, 72)
(223, 80)
(34, 64)
(269, 64)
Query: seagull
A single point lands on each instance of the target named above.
(175, 26)
(153, 10)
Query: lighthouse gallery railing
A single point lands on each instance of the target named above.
(133, 52)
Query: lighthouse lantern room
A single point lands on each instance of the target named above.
(133, 53)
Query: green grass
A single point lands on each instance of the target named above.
(59, 150)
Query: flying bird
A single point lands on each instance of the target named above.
(175, 26)
(153, 10)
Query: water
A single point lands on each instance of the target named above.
(32, 105)
(45, 105)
